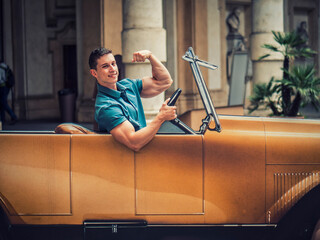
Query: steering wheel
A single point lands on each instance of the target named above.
(174, 97)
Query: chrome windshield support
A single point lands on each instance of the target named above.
(195, 62)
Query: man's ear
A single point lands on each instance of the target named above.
(93, 72)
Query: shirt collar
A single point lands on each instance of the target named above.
(111, 92)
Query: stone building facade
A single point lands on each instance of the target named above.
(47, 44)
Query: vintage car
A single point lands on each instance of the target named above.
(237, 177)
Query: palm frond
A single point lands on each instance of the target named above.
(303, 80)
(264, 56)
(277, 37)
(262, 95)
(271, 47)
(302, 52)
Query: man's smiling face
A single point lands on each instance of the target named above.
(107, 71)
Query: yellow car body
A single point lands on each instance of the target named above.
(252, 172)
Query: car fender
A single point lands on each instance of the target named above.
(300, 221)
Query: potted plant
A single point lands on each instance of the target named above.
(298, 86)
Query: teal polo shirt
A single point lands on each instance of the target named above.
(114, 107)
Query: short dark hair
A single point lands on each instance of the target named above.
(96, 54)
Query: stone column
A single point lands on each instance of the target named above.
(89, 38)
(143, 29)
(267, 16)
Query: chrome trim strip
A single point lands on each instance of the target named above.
(212, 225)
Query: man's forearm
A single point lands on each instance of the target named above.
(135, 140)
(145, 135)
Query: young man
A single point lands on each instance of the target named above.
(119, 108)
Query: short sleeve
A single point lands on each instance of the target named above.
(138, 84)
(109, 117)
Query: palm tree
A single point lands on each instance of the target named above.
(304, 86)
(289, 45)
(264, 94)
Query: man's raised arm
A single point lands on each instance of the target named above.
(160, 80)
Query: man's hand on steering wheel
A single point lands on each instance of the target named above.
(166, 112)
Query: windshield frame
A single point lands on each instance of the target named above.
(195, 62)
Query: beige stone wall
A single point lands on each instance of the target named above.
(91, 39)
(111, 27)
(37, 39)
(267, 16)
(168, 28)
(143, 29)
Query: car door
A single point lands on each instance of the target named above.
(35, 174)
(169, 176)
